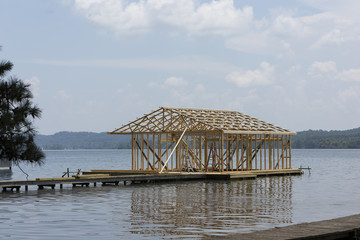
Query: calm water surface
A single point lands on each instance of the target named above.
(183, 210)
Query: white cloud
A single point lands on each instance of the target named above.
(261, 76)
(34, 85)
(351, 75)
(61, 95)
(121, 17)
(215, 17)
(124, 89)
(345, 95)
(200, 88)
(294, 69)
(175, 82)
(182, 63)
(342, 8)
(323, 70)
(286, 34)
(280, 33)
(153, 84)
(328, 70)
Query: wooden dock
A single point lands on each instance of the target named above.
(344, 228)
(114, 177)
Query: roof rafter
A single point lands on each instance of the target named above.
(167, 119)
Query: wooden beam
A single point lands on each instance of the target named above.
(144, 157)
(189, 150)
(173, 150)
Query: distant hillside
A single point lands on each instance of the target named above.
(88, 140)
(83, 140)
(346, 139)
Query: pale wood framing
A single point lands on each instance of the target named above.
(214, 140)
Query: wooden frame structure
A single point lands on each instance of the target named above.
(185, 139)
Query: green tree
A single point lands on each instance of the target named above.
(17, 113)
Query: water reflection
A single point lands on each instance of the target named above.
(5, 174)
(211, 208)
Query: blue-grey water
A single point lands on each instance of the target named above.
(192, 210)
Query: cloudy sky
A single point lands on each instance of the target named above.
(94, 65)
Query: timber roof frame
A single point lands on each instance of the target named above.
(175, 120)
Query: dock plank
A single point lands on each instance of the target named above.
(106, 176)
(338, 228)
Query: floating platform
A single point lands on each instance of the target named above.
(335, 229)
(114, 177)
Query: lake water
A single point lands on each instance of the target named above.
(186, 210)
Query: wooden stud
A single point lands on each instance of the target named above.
(222, 152)
(282, 151)
(206, 155)
(289, 151)
(274, 152)
(256, 139)
(236, 147)
(142, 150)
(278, 152)
(159, 149)
(153, 151)
(270, 154)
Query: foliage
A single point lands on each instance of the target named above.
(348, 139)
(83, 140)
(90, 140)
(16, 115)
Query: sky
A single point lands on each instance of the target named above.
(95, 65)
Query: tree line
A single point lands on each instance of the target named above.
(320, 139)
(314, 139)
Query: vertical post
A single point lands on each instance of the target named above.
(180, 157)
(248, 155)
(242, 152)
(174, 149)
(137, 152)
(177, 156)
(221, 160)
(167, 152)
(230, 147)
(282, 151)
(270, 153)
(200, 153)
(265, 152)
(261, 146)
(142, 151)
(278, 151)
(274, 164)
(159, 150)
(148, 150)
(206, 156)
(132, 152)
(287, 151)
(237, 153)
(228, 144)
(154, 150)
(193, 137)
(188, 149)
(290, 151)
(256, 158)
